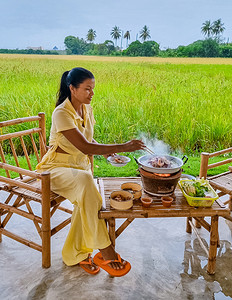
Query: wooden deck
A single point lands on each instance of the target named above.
(179, 208)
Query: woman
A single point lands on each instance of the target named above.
(71, 141)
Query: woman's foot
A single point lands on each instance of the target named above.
(89, 266)
(112, 262)
(109, 253)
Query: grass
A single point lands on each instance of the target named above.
(183, 102)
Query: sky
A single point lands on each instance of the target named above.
(46, 23)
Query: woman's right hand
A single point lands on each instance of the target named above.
(134, 145)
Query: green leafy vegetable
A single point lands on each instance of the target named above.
(195, 189)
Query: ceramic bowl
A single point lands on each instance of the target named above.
(146, 201)
(121, 204)
(167, 201)
(134, 188)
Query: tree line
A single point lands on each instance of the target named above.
(30, 51)
(211, 46)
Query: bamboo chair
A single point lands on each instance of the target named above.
(221, 182)
(29, 186)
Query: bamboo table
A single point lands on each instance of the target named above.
(179, 208)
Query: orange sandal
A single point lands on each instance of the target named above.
(90, 262)
(98, 260)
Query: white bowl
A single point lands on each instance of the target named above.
(111, 160)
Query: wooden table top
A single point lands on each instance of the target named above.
(179, 207)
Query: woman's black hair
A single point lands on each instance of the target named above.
(74, 77)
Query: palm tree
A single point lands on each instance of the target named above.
(206, 28)
(127, 37)
(145, 33)
(218, 27)
(91, 35)
(116, 34)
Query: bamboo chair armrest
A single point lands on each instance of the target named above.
(20, 184)
(220, 163)
(22, 171)
(217, 153)
(19, 121)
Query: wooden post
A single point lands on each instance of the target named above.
(203, 173)
(111, 223)
(213, 245)
(188, 226)
(42, 125)
(46, 229)
(204, 165)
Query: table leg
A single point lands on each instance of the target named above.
(197, 224)
(213, 245)
(106, 221)
(218, 241)
(111, 223)
(188, 226)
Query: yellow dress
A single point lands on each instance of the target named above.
(71, 178)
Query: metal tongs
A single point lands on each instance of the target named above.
(149, 150)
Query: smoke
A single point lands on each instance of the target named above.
(157, 146)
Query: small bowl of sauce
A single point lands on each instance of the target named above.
(167, 201)
(146, 201)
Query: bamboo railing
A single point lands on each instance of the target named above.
(223, 181)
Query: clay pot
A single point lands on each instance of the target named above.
(167, 201)
(146, 201)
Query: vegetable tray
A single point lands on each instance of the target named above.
(205, 201)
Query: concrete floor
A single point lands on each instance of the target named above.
(167, 263)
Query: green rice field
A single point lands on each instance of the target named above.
(186, 103)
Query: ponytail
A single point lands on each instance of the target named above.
(64, 91)
(74, 77)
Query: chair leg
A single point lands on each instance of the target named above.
(46, 248)
(46, 215)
